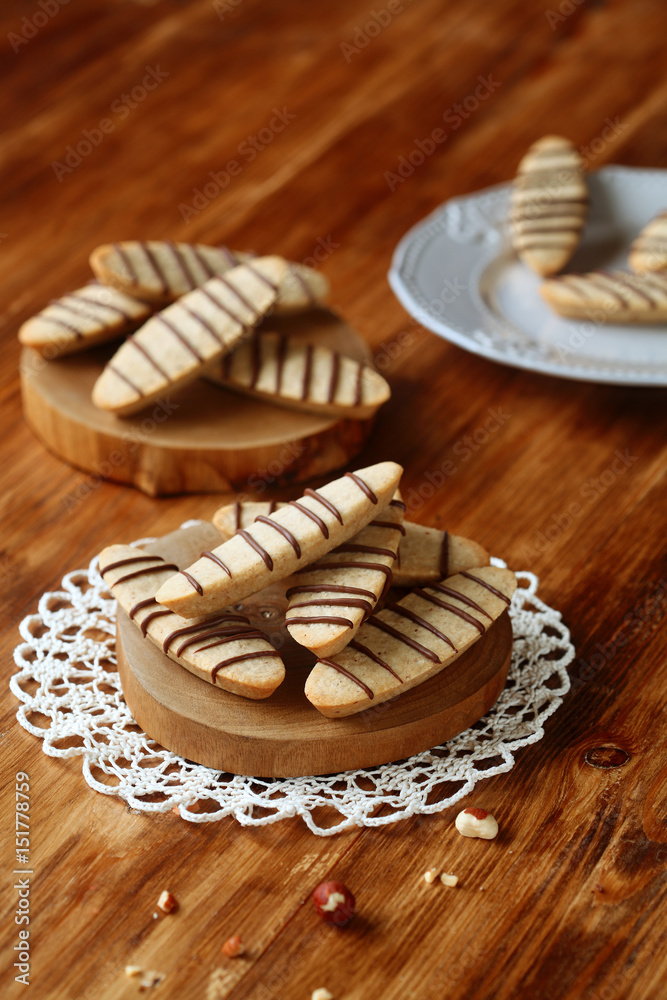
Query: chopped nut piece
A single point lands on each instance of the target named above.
(450, 880)
(133, 970)
(430, 876)
(334, 902)
(322, 994)
(233, 947)
(167, 902)
(474, 822)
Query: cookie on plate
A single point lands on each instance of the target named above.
(407, 643)
(288, 372)
(276, 546)
(427, 555)
(226, 651)
(83, 318)
(609, 296)
(175, 345)
(649, 250)
(161, 271)
(549, 203)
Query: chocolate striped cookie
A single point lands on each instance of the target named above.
(407, 643)
(161, 271)
(175, 345)
(226, 651)
(548, 205)
(289, 372)
(649, 250)
(83, 318)
(609, 297)
(333, 596)
(276, 546)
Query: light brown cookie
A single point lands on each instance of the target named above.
(225, 651)
(83, 318)
(649, 250)
(288, 372)
(333, 596)
(427, 555)
(161, 271)
(548, 204)
(276, 546)
(242, 513)
(609, 297)
(175, 345)
(408, 642)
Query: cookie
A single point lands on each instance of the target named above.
(649, 250)
(609, 297)
(175, 345)
(83, 318)
(427, 555)
(288, 372)
(333, 596)
(549, 203)
(276, 546)
(407, 643)
(226, 651)
(161, 271)
(243, 513)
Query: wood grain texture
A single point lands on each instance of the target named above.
(576, 910)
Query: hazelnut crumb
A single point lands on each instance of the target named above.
(450, 880)
(233, 947)
(475, 822)
(167, 902)
(322, 994)
(132, 970)
(430, 876)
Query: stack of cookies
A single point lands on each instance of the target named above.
(338, 550)
(190, 311)
(548, 211)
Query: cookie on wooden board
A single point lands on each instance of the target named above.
(407, 643)
(609, 296)
(161, 271)
(276, 546)
(649, 250)
(226, 651)
(288, 372)
(175, 346)
(549, 204)
(83, 318)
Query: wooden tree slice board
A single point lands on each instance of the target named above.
(284, 736)
(204, 438)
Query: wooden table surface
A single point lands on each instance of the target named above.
(566, 904)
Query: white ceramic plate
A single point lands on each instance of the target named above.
(456, 273)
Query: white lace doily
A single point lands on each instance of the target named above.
(71, 698)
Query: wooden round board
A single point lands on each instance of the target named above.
(284, 736)
(204, 439)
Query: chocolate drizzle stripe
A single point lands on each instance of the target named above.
(397, 503)
(487, 586)
(335, 602)
(468, 601)
(193, 583)
(124, 378)
(273, 506)
(202, 261)
(145, 572)
(240, 296)
(350, 676)
(189, 629)
(638, 291)
(335, 376)
(107, 305)
(370, 550)
(181, 264)
(333, 588)
(237, 515)
(126, 261)
(141, 604)
(389, 525)
(312, 515)
(61, 323)
(223, 308)
(294, 270)
(417, 646)
(177, 333)
(287, 535)
(365, 489)
(459, 612)
(217, 560)
(88, 314)
(326, 503)
(359, 646)
(444, 555)
(280, 361)
(247, 537)
(256, 354)
(418, 620)
(157, 268)
(128, 562)
(204, 322)
(359, 385)
(239, 659)
(261, 277)
(318, 620)
(307, 372)
(149, 618)
(232, 633)
(149, 357)
(238, 637)
(232, 258)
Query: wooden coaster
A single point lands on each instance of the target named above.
(284, 736)
(205, 438)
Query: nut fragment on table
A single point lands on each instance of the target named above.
(322, 994)
(167, 902)
(476, 822)
(431, 875)
(233, 947)
(450, 880)
(133, 970)
(334, 902)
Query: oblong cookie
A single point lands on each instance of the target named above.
(649, 250)
(276, 546)
(333, 596)
(225, 651)
(83, 318)
(407, 643)
(288, 372)
(609, 296)
(427, 555)
(175, 345)
(548, 204)
(161, 271)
